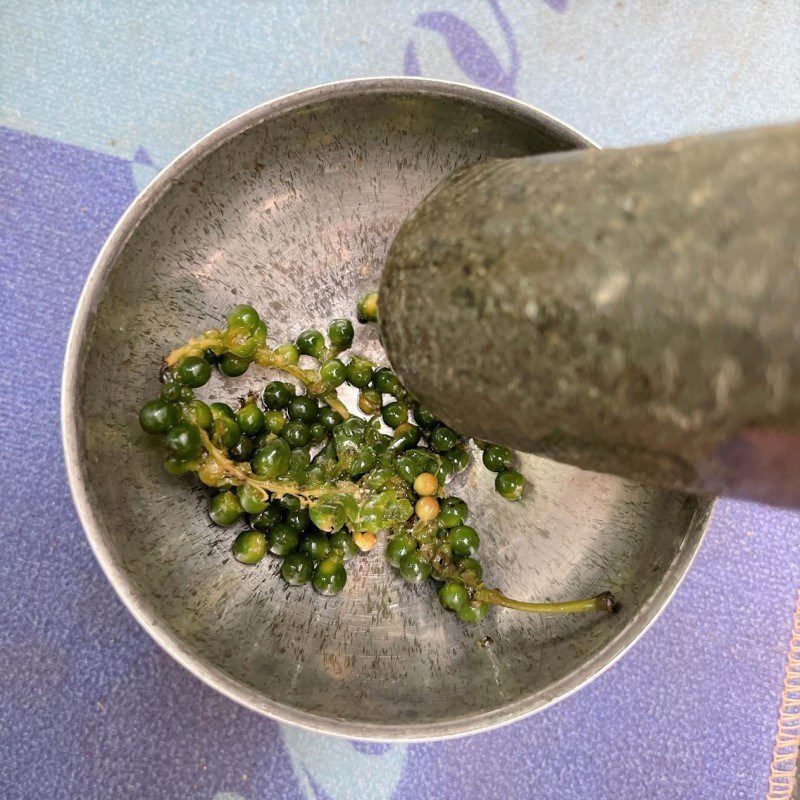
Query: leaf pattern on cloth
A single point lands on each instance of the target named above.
(335, 769)
(473, 55)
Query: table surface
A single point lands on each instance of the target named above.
(96, 98)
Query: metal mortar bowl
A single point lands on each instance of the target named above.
(292, 207)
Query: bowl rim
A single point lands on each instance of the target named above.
(167, 639)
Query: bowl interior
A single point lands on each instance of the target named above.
(294, 212)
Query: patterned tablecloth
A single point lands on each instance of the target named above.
(96, 98)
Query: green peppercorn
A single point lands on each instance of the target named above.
(315, 545)
(158, 416)
(274, 421)
(288, 502)
(395, 413)
(250, 418)
(496, 458)
(225, 509)
(303, 408)
(470, 565)
(412, 463)
(454, 511)
(278, 448)
(510, 484)
(453, 595)
(198, 413)
(329, 576)
(311, 342)
(243, 449)
(283, 539)
(414, 568)
(333, 372)
(473, 613)
(183, 441)
(444, 469)
(443, 438)
(315, 475)
(340, 333)
(359, 372)
(363, 461)
(288, 353)
(459, 458)
(298, 519)
(424, 417)
(243, 317)
(272, 460)
(179, 466)
(297, 569)
(250, 547)
(296, 434)
(369, 401)
(399, 546)
(405, 436)
(240, 342)
(298, 465)
(233, 366)
(277, 394)
(317, 433)
(385, 381)
(343, 545)
(463, 540)
(253, 500)
(222, 410)
(268, 518)
(259, 334)
(225, 431)
(193, 371)
(329, 418)
(171, 391)
(211, 474)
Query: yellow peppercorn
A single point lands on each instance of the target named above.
(426, 484)
(427, 508)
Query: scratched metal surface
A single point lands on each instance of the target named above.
(95, 100)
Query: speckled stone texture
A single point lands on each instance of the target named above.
(90, 706)
(631, 311)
